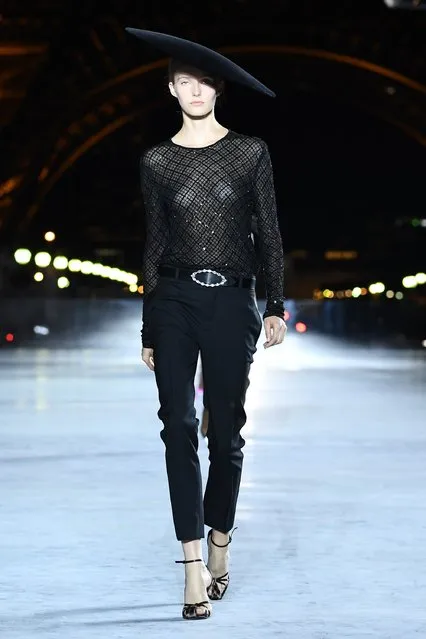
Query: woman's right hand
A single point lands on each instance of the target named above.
(148, 357)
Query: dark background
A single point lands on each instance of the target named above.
(347, 132)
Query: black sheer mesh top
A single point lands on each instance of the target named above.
(199, 206)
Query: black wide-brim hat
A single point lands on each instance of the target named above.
(201, 57)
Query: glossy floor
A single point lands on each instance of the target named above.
(332, 512)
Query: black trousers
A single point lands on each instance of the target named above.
(223, 324)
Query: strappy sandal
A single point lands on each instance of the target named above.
(190, 610)
(219, 585)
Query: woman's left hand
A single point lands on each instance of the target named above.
(275, 330)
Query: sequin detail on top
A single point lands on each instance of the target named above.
(199, 204)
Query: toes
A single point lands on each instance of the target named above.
(196, 611)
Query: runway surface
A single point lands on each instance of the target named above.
(331, 539)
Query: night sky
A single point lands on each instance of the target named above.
(342, 173)
(338, 168)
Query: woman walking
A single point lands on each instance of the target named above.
(201, 189)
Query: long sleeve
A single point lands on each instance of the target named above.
(156, 239)
(269, 237)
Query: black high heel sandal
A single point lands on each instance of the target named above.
(189, 611)
(218, 585)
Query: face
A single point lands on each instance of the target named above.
(195, 91)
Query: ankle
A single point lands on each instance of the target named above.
(192, 550)
(219, 538)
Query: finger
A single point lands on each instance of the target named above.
(283, 331)
(268, 334)
(147, 362)
(276, 334)
(268, 343)
(272, 340)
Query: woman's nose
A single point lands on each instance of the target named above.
(196, 89)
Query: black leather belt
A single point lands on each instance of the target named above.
(206, 277)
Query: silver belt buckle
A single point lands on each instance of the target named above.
(208, 270)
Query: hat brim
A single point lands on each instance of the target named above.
(201, 57)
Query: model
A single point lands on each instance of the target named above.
(201, 189)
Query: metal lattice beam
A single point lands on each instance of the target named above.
(89, 83)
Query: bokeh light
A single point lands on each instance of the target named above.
(22, 256)
(63, 282)
(60, 262)
(42, 259)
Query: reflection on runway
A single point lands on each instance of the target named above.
(331, 516)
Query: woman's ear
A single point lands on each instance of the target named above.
(172, 89)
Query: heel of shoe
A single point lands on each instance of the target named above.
(191, 611)
(219, 585)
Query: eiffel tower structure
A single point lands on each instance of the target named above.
(80, 100)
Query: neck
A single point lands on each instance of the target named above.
(200, 130)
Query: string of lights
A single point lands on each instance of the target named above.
(376, 288)
(44, 259)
